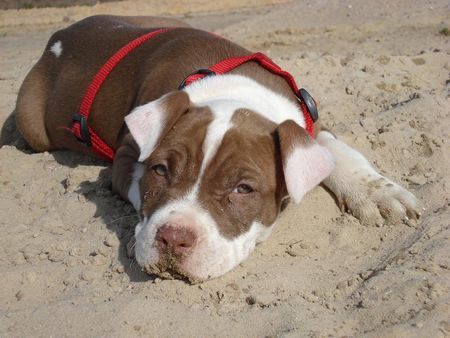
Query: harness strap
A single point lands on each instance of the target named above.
(80, 127)
(307, 104)
(87, 135)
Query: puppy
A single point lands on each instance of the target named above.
(206, 152)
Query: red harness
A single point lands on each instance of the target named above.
(87, 135)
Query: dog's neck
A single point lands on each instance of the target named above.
(246, 93)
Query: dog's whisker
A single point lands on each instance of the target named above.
(133, 263)
(121, 218)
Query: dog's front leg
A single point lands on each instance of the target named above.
(361, 190)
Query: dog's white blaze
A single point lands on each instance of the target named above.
(223, 112)
(56, 48)
(134, 193)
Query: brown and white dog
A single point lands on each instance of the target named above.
(208, 168)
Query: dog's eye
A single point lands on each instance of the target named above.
(243, 189)
(160, 169)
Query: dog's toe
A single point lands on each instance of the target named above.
(365, 210)
(396, 203)
(409, 202)
(378, 201)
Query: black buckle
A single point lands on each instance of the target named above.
(309, 102)
(205, 71)
(84, 130)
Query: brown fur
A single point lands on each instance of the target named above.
(181, 151)
(175, 105)
(53, 91)
(31, 107)
(247, 151)
(54, 88)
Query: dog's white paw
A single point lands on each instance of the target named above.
(374, 199)
(362, 191)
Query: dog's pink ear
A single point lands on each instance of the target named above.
(148, 123)
(305, 162)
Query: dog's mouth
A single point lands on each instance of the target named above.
(169, 268)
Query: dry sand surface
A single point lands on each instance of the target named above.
(380, 70)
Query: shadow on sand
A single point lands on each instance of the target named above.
(118, 215)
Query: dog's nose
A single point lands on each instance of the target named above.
(178, 240)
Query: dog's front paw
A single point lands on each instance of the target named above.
(361, 190)
(374, 199)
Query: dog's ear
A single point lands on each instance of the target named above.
(305, 162)
(150, 122)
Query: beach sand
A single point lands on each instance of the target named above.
(380, 71)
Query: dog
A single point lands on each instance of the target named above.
(208, 165)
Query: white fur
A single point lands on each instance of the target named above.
(349, 162)
(305, 167)
(223, 112)
(134, 193)
(225, 92)
(146, 123)
(360, 189)
(245, 93)
(56, 48)
(214, 254)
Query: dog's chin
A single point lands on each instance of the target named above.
(170, 270)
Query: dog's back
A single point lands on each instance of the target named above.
(92, 37)
(53, 89)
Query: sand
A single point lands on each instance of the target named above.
(380, 71)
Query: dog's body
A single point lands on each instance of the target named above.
(207, 167)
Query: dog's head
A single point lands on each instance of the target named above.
(213, 179)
